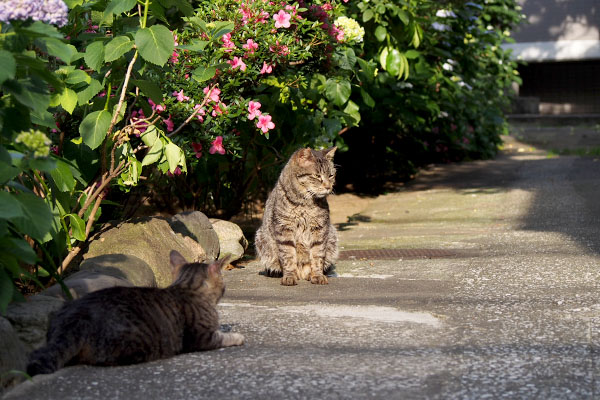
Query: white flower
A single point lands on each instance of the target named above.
(405, 85)
(445, 14)
(464, 84)
(440, 27)
(50, 11)
(447, 67)
(353, 32)
(443, 114)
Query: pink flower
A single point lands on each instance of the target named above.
(176, 172)
(201, 112)
(174, 58)
(169, 123)
(197, 149)
(282, 50)
(214, 93)
(253, 109)
(217, 146)
(227, 43)
(282, 19)
(218, 109)
(266, 68)
(251, 46)
(264, 123)
(156, 107)
(137, 119)
(180, 96)
(237, 63)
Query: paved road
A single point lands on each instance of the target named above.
(510, 310)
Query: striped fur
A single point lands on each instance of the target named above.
(296, 239)
(128, 325)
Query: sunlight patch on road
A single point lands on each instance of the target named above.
(368, 313)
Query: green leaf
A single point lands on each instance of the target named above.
(78, 226)
(403, 17)
(68, 100)
(20, 248)
(368, 70)
(116, 48)
(119, 6)
(94, 55)
(345, 59)
(59, 49)
(85, 95)
(412, 54)
(221, 28)
(194, 45)
(368, 15)
(352, 110)
(150, 89)
(9, 66)
(338, 91)
(155, 44)
(29, 94)
(367, 99)
(93, 128)
(380, 33)
(332, 126)
(37, 218)
(154, 154)
(62, 176)
(40, 29)
(202, 74)
(44, 118)
(393, 62)
(182, 5)
(150, 136)
(9, 206)
(173, 154)
(77, 76)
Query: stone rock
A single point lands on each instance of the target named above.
(84, 282)
(13, 355)
(197, 226)
(30, 319)
(151, 240)
(123, 266)
(231, 239)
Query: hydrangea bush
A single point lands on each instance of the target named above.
(442, 86)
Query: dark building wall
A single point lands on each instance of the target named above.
(568, 87)
(560, 40)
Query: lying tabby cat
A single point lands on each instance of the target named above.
(128, 325)
(296, 237)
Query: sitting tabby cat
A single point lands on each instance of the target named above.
(296, 237)
(128, 325)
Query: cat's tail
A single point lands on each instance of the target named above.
(52, 357)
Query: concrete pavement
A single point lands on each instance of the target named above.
(511, 311)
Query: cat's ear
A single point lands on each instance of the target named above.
(330, 152)
(177, 261)
(305, 157)
(216, 266)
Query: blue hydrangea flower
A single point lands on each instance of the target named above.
(50, 11)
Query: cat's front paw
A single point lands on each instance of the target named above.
(231, 339)
(319, 280)
(288, 281)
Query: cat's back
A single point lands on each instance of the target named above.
(113, 310)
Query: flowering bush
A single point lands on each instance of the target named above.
(283, 73)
